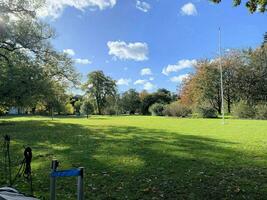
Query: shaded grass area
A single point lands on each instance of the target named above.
(145, 157)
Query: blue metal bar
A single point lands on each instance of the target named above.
(66, 173)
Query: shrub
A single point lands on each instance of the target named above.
(261, 111)
(157, 109)
(243, 110)
(69, 110)
(177, 109)
(110, 111)
(3, 110)
(207, 112)
(87, 108)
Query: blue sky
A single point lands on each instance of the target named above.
(149, 44)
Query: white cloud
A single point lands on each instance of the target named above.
(189, 9)
(179, 79)
(140, 82)
(70, 52)
(151, 78)
(146, 71)
(182, 64)
(143, 6)
(83, 61)
(54, 8)
(123, 81)
(147, 85)
(132, 51)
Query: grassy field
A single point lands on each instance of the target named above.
(140, 157)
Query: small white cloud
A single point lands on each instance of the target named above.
(146, 71)
(143, 6)
(151, 78)
(140, 82)
(83, 61)
(132, 51)
(70, 52)
(54, 8)
(147, 85)
(123, 81)
(179, 79)
(189, 9)
(182, 64)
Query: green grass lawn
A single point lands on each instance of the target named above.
(140, 157)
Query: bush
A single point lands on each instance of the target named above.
(157, 109)
(110, 111)
(243, 110)
(207, 112)
(261, 111)
(3, 110)
(177, 109)
(69, 110)
(87, 108)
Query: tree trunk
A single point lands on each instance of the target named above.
(229, 105)
(99, 109)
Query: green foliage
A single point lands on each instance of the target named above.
(261, 111)
(244, 110)
(77, 106)
(40, 108)
(157, 109)
(69, 110)
(252, 5)
(100, 87)
(160, 96)
(3, 110)
(30, 67)
(130, 101)
(176, 109)
(110, 111)
(207, 112)
(87, 108)
(244, 78)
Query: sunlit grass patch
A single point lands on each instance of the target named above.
(139, 157)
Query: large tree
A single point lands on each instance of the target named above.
(130, 101)
(252, 5)
(162, 96)
(30, 67)
(100, 87)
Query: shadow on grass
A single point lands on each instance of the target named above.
(124, 162)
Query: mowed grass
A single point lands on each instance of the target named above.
(139, 157)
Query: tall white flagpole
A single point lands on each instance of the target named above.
(221, 72)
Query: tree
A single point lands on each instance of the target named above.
(244, 78)
(87, 108)
(162, 96)
(130, 101)
(99, 87)
(30, 67)
(21, 30)
(264, 40)
(68, 109)
(77, 106)
(252, 5)
(203, 87)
